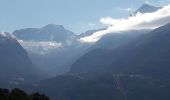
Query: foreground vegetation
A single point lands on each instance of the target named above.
(17, 94)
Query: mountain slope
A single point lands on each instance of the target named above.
(15, 65)
(146, 52)
(150, 55)
(103, 49)
(136, 71)
(115, 40)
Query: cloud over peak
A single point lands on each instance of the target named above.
(137, 22)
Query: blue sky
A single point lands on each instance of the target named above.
(76, 15)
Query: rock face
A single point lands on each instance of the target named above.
(15, 65)
(49, 32)
(138, 70)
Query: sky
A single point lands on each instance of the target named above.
(75, 15)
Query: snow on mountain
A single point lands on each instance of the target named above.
(42, 47)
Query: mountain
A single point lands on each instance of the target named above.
(148, 51)
(50, 32)
(146, 8)
(58, 60)
(138, 70)
(114, 40)
(102, 49)
(15, 65)
(150, 54)
(89, 32)
(49, 47)
(109, 41)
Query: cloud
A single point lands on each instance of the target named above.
(137, 22)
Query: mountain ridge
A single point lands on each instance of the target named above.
(146, 8)
(50, 32)
(16, 67)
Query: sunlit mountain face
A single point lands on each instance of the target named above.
(125, 59)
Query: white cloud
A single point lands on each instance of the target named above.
(137, 22)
